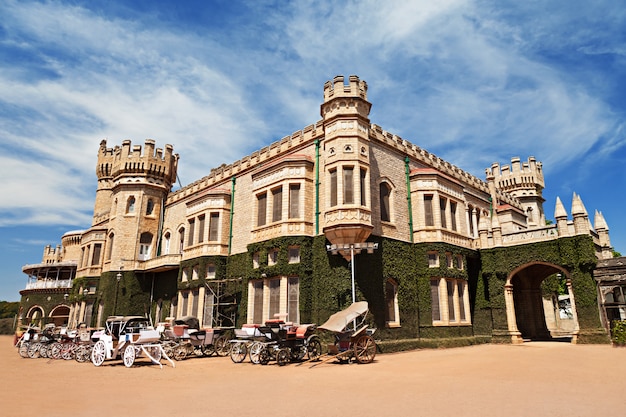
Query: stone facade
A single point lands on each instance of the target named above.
(341, 177)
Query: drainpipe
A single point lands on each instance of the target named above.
(317, 186)
(408, 195)
(232, 213)
(160, 232)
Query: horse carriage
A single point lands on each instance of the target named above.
(353, 338)
(275, 340)
(127, 337)
(186, 339)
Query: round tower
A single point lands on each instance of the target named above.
(525, 182)
(135, 182)
(346, 146)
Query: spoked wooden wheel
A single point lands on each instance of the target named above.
(222, 346)
(314, 349)
(365, 349)
(129, 356)
(238, 352)
(98, 353)
(207, 350)
(282, 357)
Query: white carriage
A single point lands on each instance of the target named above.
(128, 337)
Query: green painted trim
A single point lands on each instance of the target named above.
(317, 186)
(232, 213)
(408, 195)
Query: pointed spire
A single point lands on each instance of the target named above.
(599, 221)
(559, 209)
(578, 208)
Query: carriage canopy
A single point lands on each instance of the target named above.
(340, 320)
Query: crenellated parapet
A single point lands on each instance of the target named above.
(343, 101)
(337, 88)
(51, 255)
(225, 172)
(517, 178)
(134, 161)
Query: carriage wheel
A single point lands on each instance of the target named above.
(222, 346)
(33, 350)
(238, 352)
(98, 353)
(256, 350)
(23, 350)
(180, 352)
(314, 349)
(81, 353)
(282, 357)
(68, 352)
(55, 351)
(207, 350)
(168, 348)
(129, 356)
(265, 356)
(155, 353)
(43, 350)
(365, 349)
(298, 353)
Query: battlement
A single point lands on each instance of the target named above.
(51, 255)
(518, 176)
(137, 161)
(337, 88)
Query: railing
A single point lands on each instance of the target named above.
(533, 235)
(159, 261)
(48, 284)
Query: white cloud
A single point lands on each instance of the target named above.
(441, 74)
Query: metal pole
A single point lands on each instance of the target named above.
(352, 271)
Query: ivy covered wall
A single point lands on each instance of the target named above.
(575, 255)
(325, 282)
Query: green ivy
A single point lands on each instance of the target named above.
(618, 332)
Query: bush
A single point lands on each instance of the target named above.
(6, 326)
(619, 332)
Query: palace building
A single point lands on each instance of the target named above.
(341, 209)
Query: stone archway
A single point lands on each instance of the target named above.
(529, 315)
(60, 315)
(35, 316)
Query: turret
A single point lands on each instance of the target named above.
(133, 182)
(347, 172)
(525, 182)
(561, 218)
(602, 229)
(581, 218)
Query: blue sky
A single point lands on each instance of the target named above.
(474, 82)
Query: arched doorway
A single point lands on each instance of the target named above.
(537, 308)
(34, 317)
(60, 315)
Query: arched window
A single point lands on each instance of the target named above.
(130, 204)
(149, 207)
(110, 246)
(166, 248)
(391, 297)
(385, 207)
(181, 239)
(145, 242)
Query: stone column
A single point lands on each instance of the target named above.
(516, 336)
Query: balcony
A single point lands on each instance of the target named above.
(49, 284)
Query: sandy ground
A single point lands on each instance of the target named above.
(534, 379)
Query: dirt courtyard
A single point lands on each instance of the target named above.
(534, 379)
